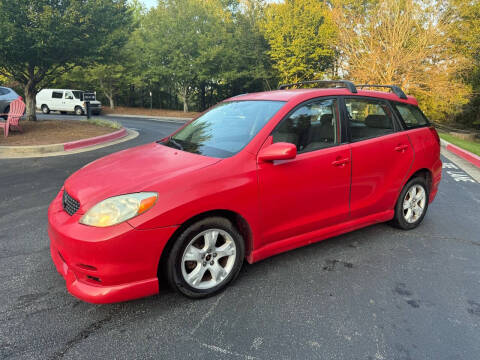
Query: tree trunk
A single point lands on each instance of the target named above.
(184, 98)
(203, 97)
(111, 100)
(30, 94)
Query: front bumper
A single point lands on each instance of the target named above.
(105, 265)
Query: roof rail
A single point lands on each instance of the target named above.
(395, 89)
(345, 84)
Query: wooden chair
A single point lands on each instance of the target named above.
(17, 108)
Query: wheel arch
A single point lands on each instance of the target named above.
(425, 173)
(235, 218)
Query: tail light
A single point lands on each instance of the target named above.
(435, 134)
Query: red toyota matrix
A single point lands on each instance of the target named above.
(256, 175)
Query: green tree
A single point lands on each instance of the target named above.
(302, 38)
(184, 43)
(249, 65)
(42, 39)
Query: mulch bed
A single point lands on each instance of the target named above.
(46, 132)
(144, 111)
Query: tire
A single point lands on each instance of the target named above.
(202, 276)
(45, 109)
(408, 214)
(78, 110)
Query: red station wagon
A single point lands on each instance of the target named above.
(256, 175)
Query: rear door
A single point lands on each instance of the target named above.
(56, 100)
(311, 191)
(381, 155)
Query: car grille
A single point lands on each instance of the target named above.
(70, 205)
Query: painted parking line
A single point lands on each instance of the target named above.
(456, 173)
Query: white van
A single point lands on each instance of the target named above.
(65, 100)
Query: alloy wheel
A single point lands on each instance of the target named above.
(414, 203)
(208, 259)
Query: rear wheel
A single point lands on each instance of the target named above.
(205, 258)
(78, 110)
(45, 109)
(412, 204)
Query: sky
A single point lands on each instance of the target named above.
(150, 3)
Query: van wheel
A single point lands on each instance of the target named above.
(205, 258)
(45, 109)
(78, 110)
(412, 204)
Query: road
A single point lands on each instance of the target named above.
(377, 293)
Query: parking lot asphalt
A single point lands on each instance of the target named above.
(376, 293)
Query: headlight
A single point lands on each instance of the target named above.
(118, 209)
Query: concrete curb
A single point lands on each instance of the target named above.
(464, 154)
(39, 150)
(95, 140)
(155, 118)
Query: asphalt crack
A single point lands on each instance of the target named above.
(82, 335)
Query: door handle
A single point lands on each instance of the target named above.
(340, 162)
(401, 148)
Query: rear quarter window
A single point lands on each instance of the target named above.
(57, 95)
(411, 116)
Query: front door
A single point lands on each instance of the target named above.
(381, 156)
(68, 103)
(309, 192)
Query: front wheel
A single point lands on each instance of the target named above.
(412, 204)
(205, 258)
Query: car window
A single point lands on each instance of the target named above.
(368, 118)
(68, 95)
(310, 127)
(78, 95)
(225, 129)
(411, 115)
(57, 95)
(4, 91)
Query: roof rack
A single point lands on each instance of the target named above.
(395, 89)
(344, 84)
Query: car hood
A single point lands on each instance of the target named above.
(143, 168)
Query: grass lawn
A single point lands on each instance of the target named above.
(472, 146)
(146, 111)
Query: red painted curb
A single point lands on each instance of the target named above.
(464, 154)
(95, 140)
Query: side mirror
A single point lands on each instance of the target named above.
(278, 151)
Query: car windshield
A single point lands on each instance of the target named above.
(78, 94)
(226, 129)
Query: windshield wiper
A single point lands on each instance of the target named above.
(180, 147)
